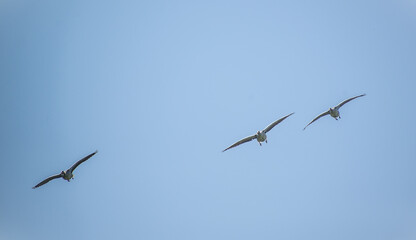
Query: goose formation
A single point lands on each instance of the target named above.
(260, 136)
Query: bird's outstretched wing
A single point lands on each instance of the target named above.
(344, 102)
(244, 140)
(320, 115)
(268, 128)
(81, 161)
(47, 180)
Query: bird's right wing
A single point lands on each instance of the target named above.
(81, 161)
(321, 115)
(244, 140)
(268, 128)
(349, 99)
(47, 180)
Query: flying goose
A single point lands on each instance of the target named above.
(260, 135)
(334, 112)
(67, 175)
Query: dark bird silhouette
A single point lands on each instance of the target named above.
(68, 174)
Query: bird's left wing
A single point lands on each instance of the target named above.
(349, 99)
(319, 116)
(47, 180)
(268, 128)
(244, 140)
(81, 161)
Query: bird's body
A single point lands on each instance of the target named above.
(68, 174)
(260, 135)
(333, 112)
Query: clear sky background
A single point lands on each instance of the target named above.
(160, 88)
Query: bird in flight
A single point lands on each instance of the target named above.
(260, 135)
(334, 112)
(67, 175)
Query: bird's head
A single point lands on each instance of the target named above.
(258, 133)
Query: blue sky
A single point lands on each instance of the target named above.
(160, 88)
